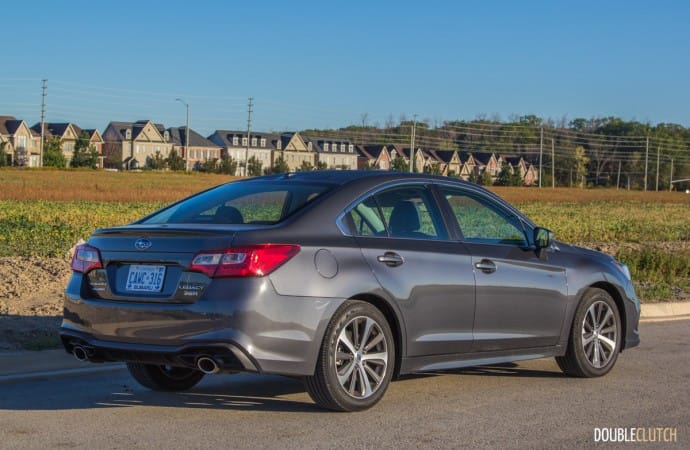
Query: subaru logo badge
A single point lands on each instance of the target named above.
(142, 244)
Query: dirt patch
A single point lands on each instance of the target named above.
(31, 296)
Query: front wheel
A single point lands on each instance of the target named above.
(356, 360)
(595, 337)
(165, 378)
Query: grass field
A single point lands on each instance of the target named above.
(44, 212)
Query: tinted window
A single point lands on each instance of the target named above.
(483, 221)
(407, 212)
(241, 202)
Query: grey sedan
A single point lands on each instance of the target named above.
(346, 279)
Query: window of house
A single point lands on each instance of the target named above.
(235, 140)
(253, 142)
(244, 141)
(279, 145)
(138, 148)
(351, 148)
(325, 146)
(342, 147)
(263, 142)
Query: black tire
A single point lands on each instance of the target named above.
(595, 329)
(165, 378)
(370, 367)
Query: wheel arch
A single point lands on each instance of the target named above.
(393, 321)
(618, 299)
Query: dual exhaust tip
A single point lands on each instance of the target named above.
(207, 364)
(81, 353)
(204, 363)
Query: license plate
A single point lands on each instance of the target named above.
(145, 278)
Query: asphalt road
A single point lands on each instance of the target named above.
(527, 405)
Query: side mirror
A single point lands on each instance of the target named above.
(543, 238)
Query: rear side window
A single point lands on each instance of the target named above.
(241, 203)
(402, 212)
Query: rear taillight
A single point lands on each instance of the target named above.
(249, 261)
(86, 258)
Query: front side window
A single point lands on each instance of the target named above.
(482, 221)
(401, 212)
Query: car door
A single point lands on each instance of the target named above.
(520, 292)
(405, 242)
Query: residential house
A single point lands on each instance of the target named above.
(131, 145)
(197, 150)
(334, 153)
(400, 151)
(449, 161)
(294, 150)
(373, 157)
(66, 133)
(490, 163)
(95, 142)
(22, 146)
(471, 166)
(259, 145)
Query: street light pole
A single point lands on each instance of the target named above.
(186, 136)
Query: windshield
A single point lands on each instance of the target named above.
(241, 202)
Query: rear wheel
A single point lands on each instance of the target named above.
(356, 360)
(595, 337)
(165, 378)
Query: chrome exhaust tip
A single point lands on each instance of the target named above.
(80, 353)
(207, 364)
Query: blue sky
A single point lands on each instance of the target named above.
(326, 64)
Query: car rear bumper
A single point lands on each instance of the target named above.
(252, 329)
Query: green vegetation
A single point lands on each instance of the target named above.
(85, 155)
(52, 154)
(45, 212)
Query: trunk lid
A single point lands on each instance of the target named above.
(146, 263)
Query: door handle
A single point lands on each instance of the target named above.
(391, 259)
(486, 266)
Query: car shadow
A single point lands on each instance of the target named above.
(241, 392)
(115, 388)
(495, 370)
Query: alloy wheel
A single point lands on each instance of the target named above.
(361, 358)
(599, 334)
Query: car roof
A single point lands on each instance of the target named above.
(347, 176)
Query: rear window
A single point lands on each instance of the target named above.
(242, 203)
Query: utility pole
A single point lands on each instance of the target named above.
(541, 151)
(553, 167)
(618, 179)
(670, 180)
(186, 136)
(646, 160)
(43, 121)
(249, 130)
(657, 168)
(414, 131)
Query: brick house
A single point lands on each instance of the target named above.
(259, 145)
(22, 146)
(200, 149)
(131, 145)
(334, 153)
